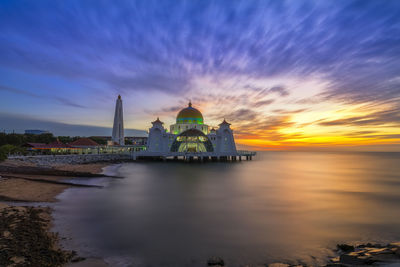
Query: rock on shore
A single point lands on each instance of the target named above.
(367, 254)
(25, 240)
(347, 256)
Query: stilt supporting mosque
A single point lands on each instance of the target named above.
(194, 157)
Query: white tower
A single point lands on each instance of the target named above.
(118, 128)
(158, 140)
(225, 139)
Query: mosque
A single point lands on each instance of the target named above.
(188, 137)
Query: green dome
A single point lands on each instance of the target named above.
(189, 115)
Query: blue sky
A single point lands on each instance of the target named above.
(283, 72)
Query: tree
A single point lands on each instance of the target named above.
(3, 155)
(3, 139)
(65, 139)
(45, 138)
(128, 142)
(15, 139)
(10, 149)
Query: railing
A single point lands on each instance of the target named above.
(210, 154)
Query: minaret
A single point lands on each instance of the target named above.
(118, 128)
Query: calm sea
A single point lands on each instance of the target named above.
(282, 206)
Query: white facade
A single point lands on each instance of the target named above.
(158, 137)
(225, 141)
(185, 137)
(118, 127)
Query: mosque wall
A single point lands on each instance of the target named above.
(225, 140)
(155, 141)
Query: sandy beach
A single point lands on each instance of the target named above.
(30, 226)
(26, 182)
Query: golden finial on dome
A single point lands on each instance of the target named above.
(119, 96)
(190, 103)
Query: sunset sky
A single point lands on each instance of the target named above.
(288, 75)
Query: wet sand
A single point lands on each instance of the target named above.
(29, 227)
(27, 183)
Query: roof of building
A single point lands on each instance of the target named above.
(157, 121)
(55, 144)
(84, 142)
(189, 115)
(225, 123)
(35, 145)
(58, 144)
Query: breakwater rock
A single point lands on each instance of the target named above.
(367, 254)
(48, 160)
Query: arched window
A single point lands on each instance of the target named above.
(192, 140)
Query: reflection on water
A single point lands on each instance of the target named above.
(281, 206)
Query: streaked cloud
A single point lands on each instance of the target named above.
(286, 73)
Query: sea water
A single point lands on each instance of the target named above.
(289, 207)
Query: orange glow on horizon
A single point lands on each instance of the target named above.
(334, 126)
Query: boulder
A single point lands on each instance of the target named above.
(397, 251)
(215, 261)
(394, 245)
(370, 245)
(380, 251)
(354, 259)
(345, 247)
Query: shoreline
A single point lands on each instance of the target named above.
(22, 182)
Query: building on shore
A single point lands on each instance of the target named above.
(80, 146)
(136, 140)
(118, 127)
(190, 135)
(84, 143)
(36, 132)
